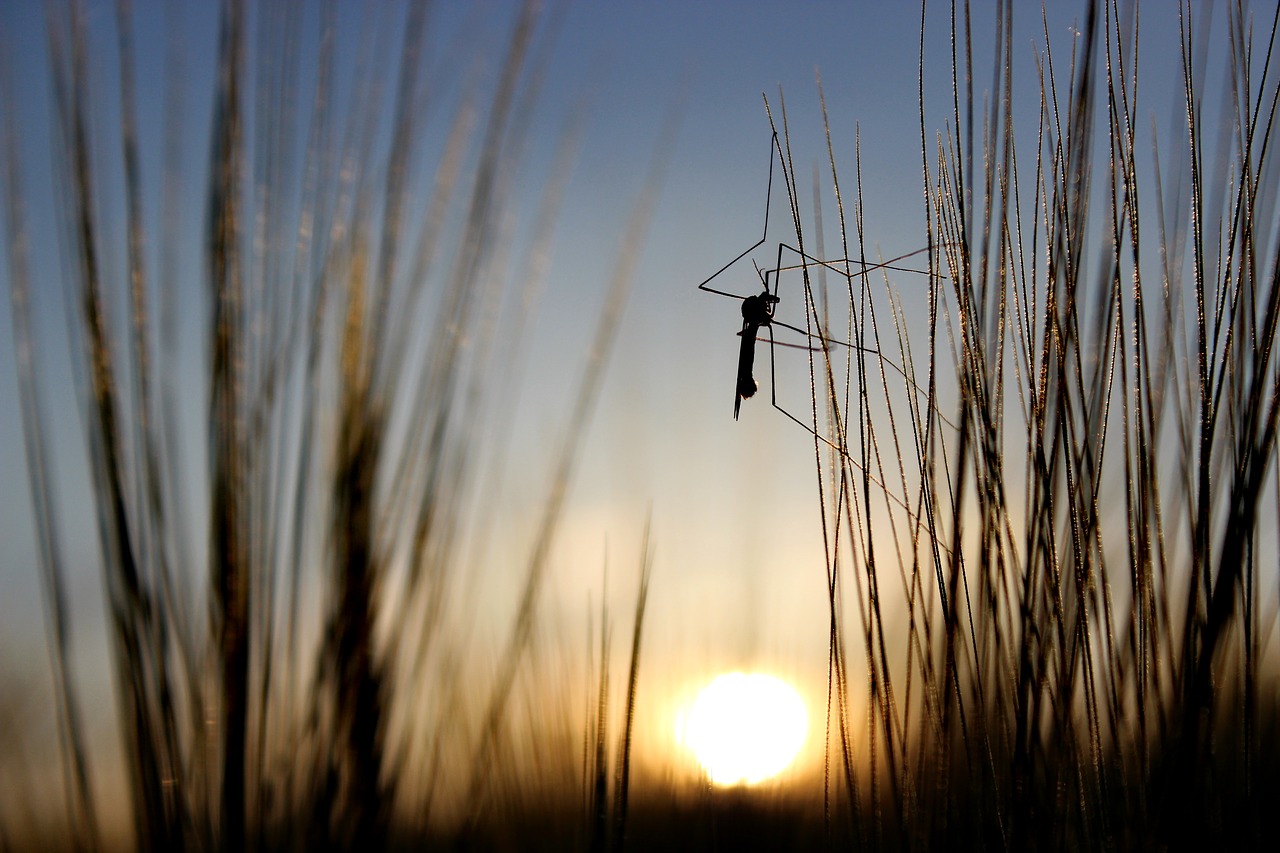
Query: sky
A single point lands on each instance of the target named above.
(738, 579)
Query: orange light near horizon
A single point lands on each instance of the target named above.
(744, 729)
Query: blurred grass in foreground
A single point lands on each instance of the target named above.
(288, 612)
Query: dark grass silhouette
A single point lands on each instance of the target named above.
(1088, 654)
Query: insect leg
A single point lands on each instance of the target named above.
(820, 340)
(773, 147)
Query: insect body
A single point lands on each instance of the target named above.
(757, 312)
(759, 309)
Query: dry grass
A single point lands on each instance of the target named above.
(278, 608)
(1083, 543)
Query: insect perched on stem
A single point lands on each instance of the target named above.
(759, 309)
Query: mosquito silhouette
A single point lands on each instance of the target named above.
(759, 318)
(759, 309)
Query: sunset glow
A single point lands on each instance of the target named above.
(744, 729)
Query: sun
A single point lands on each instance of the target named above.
(744, 728)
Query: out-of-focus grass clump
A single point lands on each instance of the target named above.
(296, 341)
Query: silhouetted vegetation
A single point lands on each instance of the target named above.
(359, 321)
(1072, 494)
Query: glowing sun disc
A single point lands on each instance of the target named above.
(744, 729)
